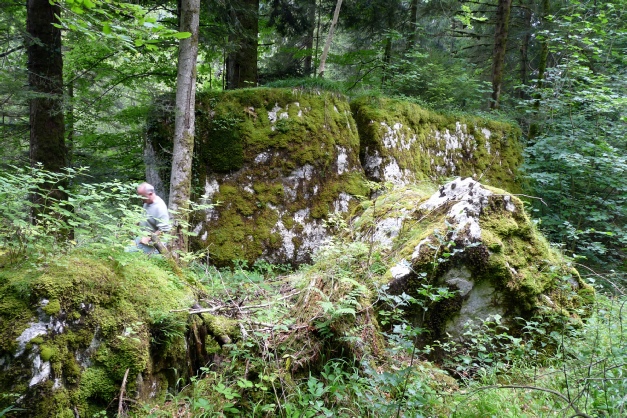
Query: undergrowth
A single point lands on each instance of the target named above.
(329, 340)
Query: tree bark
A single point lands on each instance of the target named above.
(387, 52)
(534, 127)
(327, 44)
(544, 48)
(47, 128)
(45, 79)
(180, 178)
(500, 45)
(309, 40)
(524, 53)
(241, 64)
(413, 26)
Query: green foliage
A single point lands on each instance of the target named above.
(310, 84)
(107, 19)
(576, 158)
(100, 216)
(438, 81)
(551, 368)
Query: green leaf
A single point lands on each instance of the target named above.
(182, 35)
(106, 28)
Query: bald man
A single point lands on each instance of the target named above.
(157, 217)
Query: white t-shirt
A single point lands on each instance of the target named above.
(157, 217)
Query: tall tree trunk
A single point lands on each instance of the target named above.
(500, 45)
(69, 120)
(309, 40)
(387, 52)
(413, 26)
(45, 79)
(544, 48)
(180, 179)
(534, 127)
(241, 64)
(524, 53)
(327, 44)
(317, 46)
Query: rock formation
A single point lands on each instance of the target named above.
(277, 162)
(477, 242)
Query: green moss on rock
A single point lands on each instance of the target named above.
(476, 241)
(268, 154)
(99, 322)
(412, 143)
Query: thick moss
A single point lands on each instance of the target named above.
(101, 323)
(288, 143)
(432, 145)
(511, 260)
(272, 154)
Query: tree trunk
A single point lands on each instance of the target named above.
(386, 75)
(309, 40)
(317, 46)
(69, 121)
(180, 179)
(327, 44)
(47, 129)
(241, 64)
(544, 48)
(534, 128)
(45, 79)
(500, 44)
(524, 53)
(413, 26)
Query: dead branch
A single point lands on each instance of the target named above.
(121, 396)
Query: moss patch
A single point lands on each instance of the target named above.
(509, 260)
(295, 152)
(99, 321)
(422, 144)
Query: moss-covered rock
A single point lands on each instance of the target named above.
(70, 329)
(277, 162)
(403, 143)
(475, 241)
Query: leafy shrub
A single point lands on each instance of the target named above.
(100, 215)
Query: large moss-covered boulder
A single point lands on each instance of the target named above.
(277, 162)
(403, 143)
(475, 241)
(72, 328)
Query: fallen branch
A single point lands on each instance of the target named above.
(234, 306)
(121, 396)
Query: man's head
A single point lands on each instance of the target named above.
(146, 192)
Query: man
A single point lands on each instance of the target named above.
(157, 219)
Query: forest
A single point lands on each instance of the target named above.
(100, 95)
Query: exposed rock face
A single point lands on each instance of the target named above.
(280, 161)
(476, 241)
